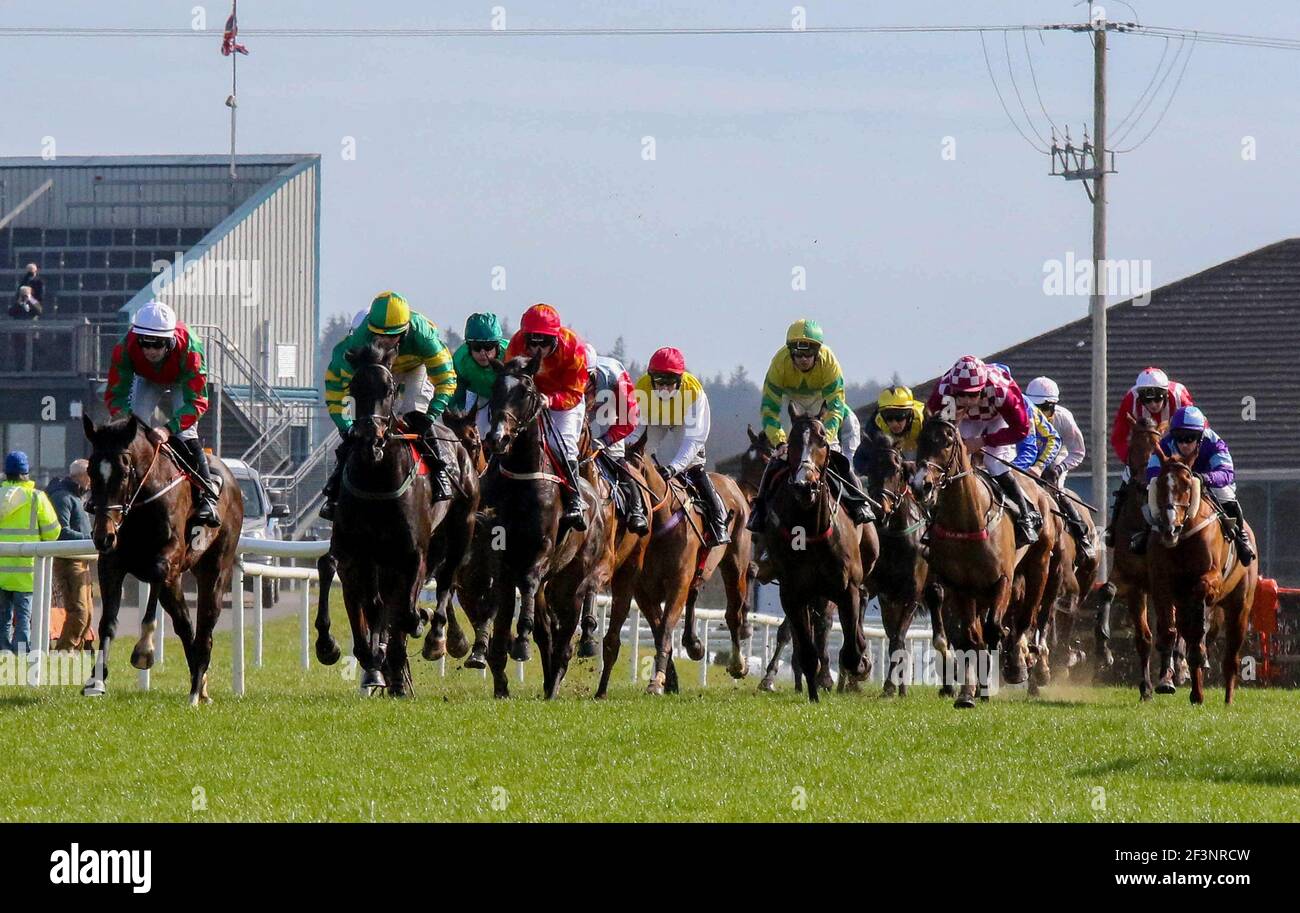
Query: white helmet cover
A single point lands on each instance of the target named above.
(1042, 390)
(155, 319)
(1152, 377)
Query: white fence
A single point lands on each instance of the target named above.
(712, 621)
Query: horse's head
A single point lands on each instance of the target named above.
(806, 452)
(1143, 438)
(754, 460)
(1173, 498)
(516, 402)
(115, 450)
(887, 474)
(940, 454)
(373, 389)
(465, 427)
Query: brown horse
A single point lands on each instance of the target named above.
(676, 565)
(143, 505)
(1194, 573)
(551, 570)
(1129, 577)
(816, 550)
(992, 590)
(1069, 590)
(900, 580)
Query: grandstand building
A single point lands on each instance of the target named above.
(238, 260)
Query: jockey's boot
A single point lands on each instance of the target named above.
(439, 479)
(855, 503)
(205, 511)
(758, 510)
(1030, 520)
(572, 497)
(1077, 527)
(1236, 530)
(1116, 500)
(634, 505)
(332, 484)
(714, 509)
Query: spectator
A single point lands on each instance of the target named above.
(73, 574)
(25, 306)
(34, 283)
(26, 515)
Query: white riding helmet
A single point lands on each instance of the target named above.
(155, 319)
(592, 367)
(1042, 390)
(1152, 377)
(359, 318)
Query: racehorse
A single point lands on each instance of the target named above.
(389, 536)
(552, 570)
(816, 550)
(900, 578)
(677, 564)
(1129, 576)
(1070, 588)
(144, 527)
(1194, 573)
(992, 590)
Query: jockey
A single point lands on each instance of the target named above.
(161, 358)
(1045, 395)
(1154, 396)
(612, 415)
(675, 418)
(805, 371)
(424, 374)
(562, 378)
(896, 423)
(1191, 439)
(474, 374)
(991, 415)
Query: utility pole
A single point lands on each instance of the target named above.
(1085, 163)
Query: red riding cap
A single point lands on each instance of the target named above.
(668, 361)
(541, 319)
(968, 375)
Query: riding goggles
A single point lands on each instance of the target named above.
(1151, 395)
(153, 342)
(665, 380)
(1186, 437)
(488, 346)
(896, 416)
(539, 341)
(803, 349)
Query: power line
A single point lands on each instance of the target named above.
(1173, 64)
(1034, 76)
(1151, 82)
(1169, 101)
(1231, 38)
(1005, 109)
(1006, 45)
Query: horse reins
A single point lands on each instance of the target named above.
(131, 502)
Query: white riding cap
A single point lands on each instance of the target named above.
(155, 319)
(1042, 390)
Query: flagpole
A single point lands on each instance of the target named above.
(234, 103)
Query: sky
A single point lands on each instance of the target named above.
(882, 166)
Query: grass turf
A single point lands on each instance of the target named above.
(304, 746)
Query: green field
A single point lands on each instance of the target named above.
(306, 747)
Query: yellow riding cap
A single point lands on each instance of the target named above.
(805, 330)
(389, 314)
(897, 397)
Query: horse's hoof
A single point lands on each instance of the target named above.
(694, 648)
(738, 670)
(94, 688)
(586, 648)
(434, 649)
(1014, 674)
(1144, 695)
(947, 691)
(142, 659)
(889, 690)
(477, 660)
(519, 650)
(1166, 688)
(194, 700)
(457, 645)
(328, 652)
(1033, 688)
(656, 685)
(767, 684)
(372, 679)
(902, 690)
(964, 702)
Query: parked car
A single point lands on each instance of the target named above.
(261, 519)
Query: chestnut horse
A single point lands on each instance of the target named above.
(816, 550)
(992, 590)
(1194, 573)
(551, 570)
(142, 501)
(675, 567)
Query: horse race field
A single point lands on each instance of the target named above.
(306, 747)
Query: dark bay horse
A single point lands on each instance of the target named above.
(676, 566)
(1070, 592)
(551, 570)
(816, 550)
(383, 541)
(900, 578)
(992, 590)
(1195, 573)
(143, 526)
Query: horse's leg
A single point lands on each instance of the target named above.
(1166, 635)
(1101, 633)
(932, 594)
(528, 594)
(735, 580)
(499, 646)
(1136, 601)
(774, 664)
(327, 648)
(213, 581)
(896, 616)
(1191, 627)
(969, 638)
(143, 652)
(619, 608)
(354, 603)
(1236, 618)
(690, 639)
(823, 621)
(853, 666)
(172, 595)
(566, 611)
(674, 604)
(544, 633)
(110, 591)
(799, 612)
(587, 644)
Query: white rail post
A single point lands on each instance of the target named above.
(142, 678)
(442, 666)
(161, 636)
(635, 617)
(520, 667)
(237, 643)
(600, 636)
(257, 620)
(767, 644)
(704, 663)
(40, 583)
(305, 654)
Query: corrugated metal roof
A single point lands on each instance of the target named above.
(136, 161)
(1230, 333)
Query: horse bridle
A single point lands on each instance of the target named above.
(131, 502)
(946, 476)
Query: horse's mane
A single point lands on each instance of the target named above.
(372, 354)
(118, 433)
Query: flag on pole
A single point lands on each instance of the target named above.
(228, 43)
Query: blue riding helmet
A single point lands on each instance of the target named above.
(1001, 367)
(1189, 418)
